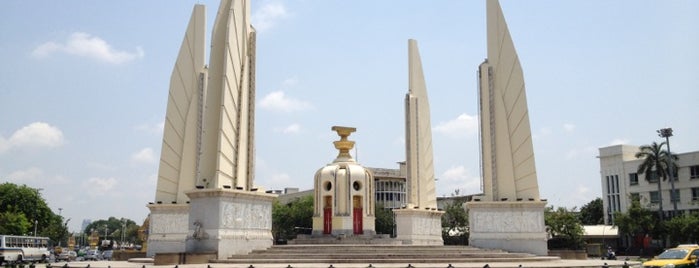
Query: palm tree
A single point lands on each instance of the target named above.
(654, 166)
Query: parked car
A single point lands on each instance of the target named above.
(67, 255)
(107, 255)
(681, 256)
(93, 255)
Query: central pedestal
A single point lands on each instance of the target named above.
(419, 227)
(511, 226)
(229, 221)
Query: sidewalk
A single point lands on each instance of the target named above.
(136, 263)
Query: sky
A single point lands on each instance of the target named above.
(84, 84)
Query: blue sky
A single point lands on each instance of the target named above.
(83, 88)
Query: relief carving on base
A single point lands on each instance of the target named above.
(514, 222)
(246, 215)
(168, 223)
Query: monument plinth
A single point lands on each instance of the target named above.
(168, 228)
(229, 221)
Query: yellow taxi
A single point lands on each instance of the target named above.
(683, 256)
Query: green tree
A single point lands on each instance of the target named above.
(683, 230)
(14, 223)
(455, 221)
(112, 228)
(27, 201)
(592, 213)
(654, 166)
(565, 228)
(385, 221)
(636, 222)
(293, 218)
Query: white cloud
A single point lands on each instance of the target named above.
(99, 186)
(463, 125)
(144, 156)
(619, 141)
(454, 174)
(268, 15)
(153, 128)
(458, 177)
(280, 179)
(292, 129)
(568, 127)
(399, 141)
(279, 102)
(35, 176)
(25, 176)
(290, 82)
(84, 45)
(34, 135)
(545, 131)
(582, 194)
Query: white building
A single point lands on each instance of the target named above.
(620, 182)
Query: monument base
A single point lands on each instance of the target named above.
(510, 226)
(229, 222)
(419, 227)
(168, 228)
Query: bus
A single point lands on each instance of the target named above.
(15, 248)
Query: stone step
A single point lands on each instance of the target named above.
(387, 260)
(291, 254)
(368, 249)
(375, 256)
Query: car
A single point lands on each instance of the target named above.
(93, 255)
(681, 256)
(107, 254)
(67, 255)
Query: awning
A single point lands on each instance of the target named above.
(600, 231)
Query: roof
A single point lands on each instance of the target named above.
(600, 231)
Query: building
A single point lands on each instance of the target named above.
(390, 186)
(621, 182)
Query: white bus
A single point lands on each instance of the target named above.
(15, 248)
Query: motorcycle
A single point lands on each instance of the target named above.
(610, 254)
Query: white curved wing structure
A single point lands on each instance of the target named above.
(509, 170)
(418, 135)
(180, 148)
(228, 147)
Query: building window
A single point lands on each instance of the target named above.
(652, 177)
(695, 194)
(676, 195)
(694, 172)
(635, 197)
(654, 197)
(633, 178)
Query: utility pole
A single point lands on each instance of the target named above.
(667, 133)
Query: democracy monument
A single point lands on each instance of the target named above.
(206, 201)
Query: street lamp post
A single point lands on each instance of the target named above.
(36, 206)
(123, 236)
(667, 133)
(105, 233)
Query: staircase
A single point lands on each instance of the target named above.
(345, 253)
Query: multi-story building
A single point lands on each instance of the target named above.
(621, 183)
(390, 186)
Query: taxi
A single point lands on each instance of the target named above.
(683, 256)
